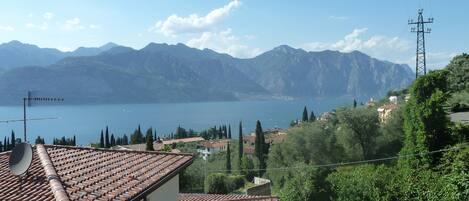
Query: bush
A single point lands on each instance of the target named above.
(220, 183)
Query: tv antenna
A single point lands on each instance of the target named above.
(20, 159)
(27, 102)
(420, 60)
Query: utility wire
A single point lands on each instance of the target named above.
(464, 145)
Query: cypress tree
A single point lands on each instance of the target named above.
(8, 144)
(108, 144)
(101, 140)
(5, 144)
(113, 140)
(312, 117)
(240, 152)
(228, 158)
(13, 141)
(74, 141)
(260, 148)
(149, 138)
(125, 140)
(354, 103)
(305, 115)
(220, 133)
(1, 147)
(229, 131)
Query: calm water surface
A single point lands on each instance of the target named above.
(86, 121)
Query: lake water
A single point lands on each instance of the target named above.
(86, 121)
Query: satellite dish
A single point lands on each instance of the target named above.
(20, 158)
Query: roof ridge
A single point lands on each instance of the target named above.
(54, 180)
(118, 150)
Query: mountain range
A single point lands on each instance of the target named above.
(178, 73)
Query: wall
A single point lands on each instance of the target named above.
(167, 192)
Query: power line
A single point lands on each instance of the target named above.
(464, 145)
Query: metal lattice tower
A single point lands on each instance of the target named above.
(420, 63)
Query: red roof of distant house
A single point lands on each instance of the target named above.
(90, 174)
(215, 143)
(220, 197)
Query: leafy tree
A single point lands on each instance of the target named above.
(312, 117)
(107, 142)
(306, 184)
(247, 168)
(458, 76)
(13, 139)
(113, 140)
(216, 184)
(390, 142)
(149, 138)
(261, 148)
(425, 121)
(101, 140)
(228, 158)
(305, 115)
(240, 143)
(362, 129)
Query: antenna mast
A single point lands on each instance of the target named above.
(419, 28)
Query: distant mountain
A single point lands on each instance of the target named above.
(177, 73)
(16, 54)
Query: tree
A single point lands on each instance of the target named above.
(260, 148)
(39, 140)
(354, 103)
(247, 166)
(101, 140)
(108, 143)
(305, 115)
(228, 158)
(137, 136)
(425, 121)
(241, 143)
(13, 139)
(361, 126)
(306, 184)
(229, 131)
(312, 117)
(125, 140)
(5, 144)
(149, 138)
(8, 144)
(113, 140)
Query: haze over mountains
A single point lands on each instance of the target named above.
(177, 73)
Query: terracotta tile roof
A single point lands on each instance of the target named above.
(34, 187)
(92, 174)
(220, 197)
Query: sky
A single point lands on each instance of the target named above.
(243, 28)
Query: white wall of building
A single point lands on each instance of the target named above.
(167, 192)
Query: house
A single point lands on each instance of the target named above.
(384, 111)
(78, 173)
(393, 99)
(220, 197)
(207, 148)
(159, 145)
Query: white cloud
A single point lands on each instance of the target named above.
(48, 15)
(175, 24)
(73, 24)
(44, 26)
(94, 26)
(7, 28)
(356, 41)
(333, 17)
(224, 42)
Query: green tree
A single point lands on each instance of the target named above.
(458, 76)
(113, 140)
(425, 121)
(306, 184)
(229, 131)
(13, 139)
(354, 103)
(305, 115)
(39, 140)
(149, 138)
(261, 149)
(137, 136)
(216, 184)
(101, 140)
(247, 168)
(5, 144)
(312, 117)
(240, 144)
(362, 129)
(107, 142)
(228, 158)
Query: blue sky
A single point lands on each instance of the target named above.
(242, 28)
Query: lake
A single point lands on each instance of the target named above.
(86, 121)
